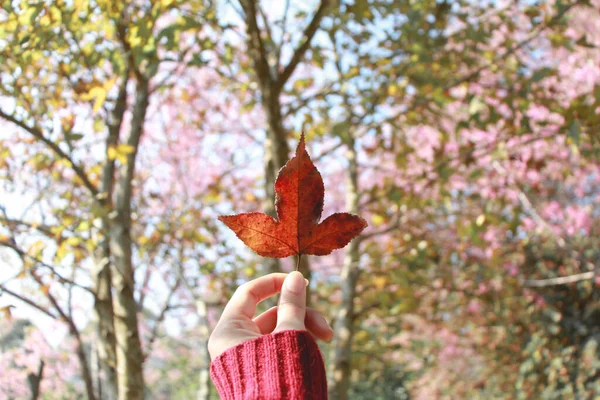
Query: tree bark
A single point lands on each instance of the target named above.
(104, 314)
(344, 320)
(35, 380)
(83, 361)
(276, 153)
(103, 307)
(128, 351)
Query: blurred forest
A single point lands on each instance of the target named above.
(465, 132)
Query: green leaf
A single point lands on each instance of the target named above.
(574, 132)
(73, 136)
(541, 74)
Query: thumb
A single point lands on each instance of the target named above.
(292, 304)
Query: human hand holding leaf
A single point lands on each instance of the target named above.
(299, 193)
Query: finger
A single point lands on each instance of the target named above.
(267, 321)
(317, 325)
(313, 321)
(246, 297)
(292, 304)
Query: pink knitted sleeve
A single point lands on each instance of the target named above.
(282, 365)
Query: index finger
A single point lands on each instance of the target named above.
(247, 296)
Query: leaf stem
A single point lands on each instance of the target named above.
(298, 263)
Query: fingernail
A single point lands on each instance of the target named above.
(295, 282)
(306, 281)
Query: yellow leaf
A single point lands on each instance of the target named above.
(110, 83)
(480, 220)
(37, 248)
(100, 95)
(6, 311)
(250, 272)
(83, 226)
(45, 20)
(55, 15)
(111, 153)
(361, 336)
(250, 197)
(380, 282)
(377, 219)
(122, 158)
(73, 241)
(125, 149)
(57, 230)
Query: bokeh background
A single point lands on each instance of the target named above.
(464, 132)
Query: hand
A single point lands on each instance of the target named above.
(238, 324)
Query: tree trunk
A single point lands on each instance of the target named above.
(272, 79)
(105, 334)
(83, 361)
(128, 351)
(103, 307)
(344, 319)
(276, 155)
(35, 380)
(204, 377)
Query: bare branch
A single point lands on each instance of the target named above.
(308, 35)
(33, 304)
(256, 44)
(37, 133)
(42, 228)
(293, 108)
(395, 225)
(286, 10)
(327, 152)
(266, 22)
(562, 280)
(35, 381)
(161, 317)
(86, 375)
(23, 254)
(530, 209)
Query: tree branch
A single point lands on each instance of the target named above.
(52, 269)
(327, 152)
(562, 280)
(33, 304)
(86, 375)
(286, 10)
(256, 44)
(37, 133)
(161, 317)
(530, 209)
(35, 381)
(494, 61)
(388, 229)
(266, 22)
(42, 228)
(308, 35)
(293, 108)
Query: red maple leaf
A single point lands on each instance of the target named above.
(299, 195)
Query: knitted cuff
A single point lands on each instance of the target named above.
(282, 365)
